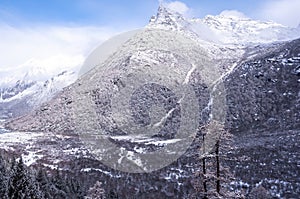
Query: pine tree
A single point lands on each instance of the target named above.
(113, 195)
(96, 192)
(21, 183)
(3, 179)
(44, 184)
(58, 187)
(33, 188)
(11, 188)
(75, 188)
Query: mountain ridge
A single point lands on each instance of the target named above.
(226, 28)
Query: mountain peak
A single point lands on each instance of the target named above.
(233, 14)
(165, 9)
(168, 19)
(229, 27)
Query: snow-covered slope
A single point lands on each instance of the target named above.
(21, 92)
(227, 28)
(230, 28)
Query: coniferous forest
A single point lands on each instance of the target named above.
(18, 181)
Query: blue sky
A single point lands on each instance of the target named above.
(51, 32)
(78, 12)
(120, 13)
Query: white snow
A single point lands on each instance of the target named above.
(230, 27)
(101, 171)
(41, 91)
(31, 157)
(19, 137)
(188, 75)
(130, 156)
(164, 142)
(9, 141)
(223, 36)
(145, 140)
(53, 167)
(164, 118)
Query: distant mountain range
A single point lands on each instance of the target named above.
(22, 94)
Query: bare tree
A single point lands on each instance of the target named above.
(213, 177)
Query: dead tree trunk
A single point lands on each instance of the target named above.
(204, 170)
(218, 183)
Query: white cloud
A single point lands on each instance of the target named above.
(177, 6)
(55, 48)
(285, 12)
(233, 13)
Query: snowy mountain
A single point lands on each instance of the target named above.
(21, 92)
(224, 36)
(230, 27)
(252, 64)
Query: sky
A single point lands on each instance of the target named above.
(61, 33)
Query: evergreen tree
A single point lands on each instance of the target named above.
(74, 188)
(58, 186)
(44, 184)
(34, 187)
(21, 184)
(3, 179)
(96, 191)
(10, 186)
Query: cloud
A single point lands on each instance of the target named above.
(233, 13)
(52, 47)
(285, 12)
(177, 6)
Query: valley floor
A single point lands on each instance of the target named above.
(268, 159)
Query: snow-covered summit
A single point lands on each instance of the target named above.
(229, 27)
(166, 18)
(235, 29)
(27, 86)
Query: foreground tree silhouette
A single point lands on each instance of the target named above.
(19, 181)
(213, 178)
